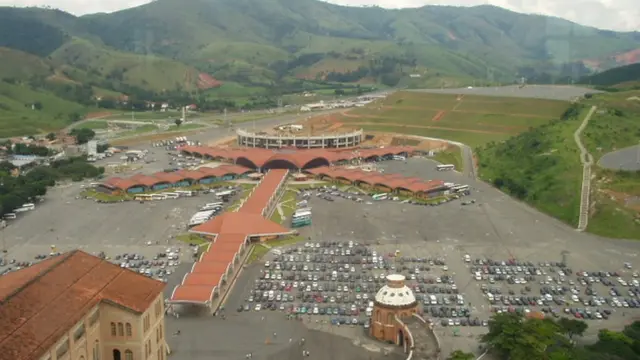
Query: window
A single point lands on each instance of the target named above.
(149, 342)
(161, 332)
(120, 329)
(93, 318)
(146, 350)
(79, 333)
(157, 335)
(113, 329)
(128, 355)
(129, 331)
(96, 350)
(158, 308)
(62, 349)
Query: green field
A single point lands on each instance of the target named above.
(450, 156)
(94, 125)
(473, 120)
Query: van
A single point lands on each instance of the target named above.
(467, 258)
(368, 311)
(433, 300)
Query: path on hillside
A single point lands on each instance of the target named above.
(429, 127)
(587, 160)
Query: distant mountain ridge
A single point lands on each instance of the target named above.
(260, 43)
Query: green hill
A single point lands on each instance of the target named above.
(264, 43)
(25, 111)
(621, 77)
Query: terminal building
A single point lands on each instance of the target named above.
(76, 306)
(275, 141)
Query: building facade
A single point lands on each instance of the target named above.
(123, 319)
(393, 302)
(269, 141)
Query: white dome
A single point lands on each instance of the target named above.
(395, 296)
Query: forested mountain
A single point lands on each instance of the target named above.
(627, 76)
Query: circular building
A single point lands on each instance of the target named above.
(393, 302)
(274, 141)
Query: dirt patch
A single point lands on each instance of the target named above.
(95, 115)
(628, 201)
(153, 137)
(403, 141)
(438, 116)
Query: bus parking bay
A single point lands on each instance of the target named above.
(337, 282)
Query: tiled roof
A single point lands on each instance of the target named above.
(173, 177)
(240, 224)
(263, 192)
(301, 158)
(53, 296)
(193, 293)
(392, 181)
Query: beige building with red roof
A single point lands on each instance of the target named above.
(76, 306)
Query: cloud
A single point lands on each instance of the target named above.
(620, 15)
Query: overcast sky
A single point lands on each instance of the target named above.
(621, 15)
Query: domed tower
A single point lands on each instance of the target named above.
(393, 300)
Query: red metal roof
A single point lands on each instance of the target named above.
(174, 177)
(202, 279)
(240, 223)
(193, 293)
(211, 267)
(301, 158)
(43, 303)
(259, 199)
(218, 256)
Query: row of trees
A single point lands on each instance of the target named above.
(515, 337)
(18, 190)
(25, 149)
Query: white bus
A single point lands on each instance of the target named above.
(301, 210)
(382, 196)
(158, 197)
(460, 188)
(301, 215)
(212, 206)
(445, 167)
(28, 206)
(10, 216)
(398, 157)
(171, 195)
(225, 193)
(184, 192)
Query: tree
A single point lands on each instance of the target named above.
(82, 135)
(51, 136)
(572, 327)
(515, 337)
(178, 122)
(461, 355)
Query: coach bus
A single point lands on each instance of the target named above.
(445, 167)
(460, 188)
(382, 196)
(301, 215)
(301, 222)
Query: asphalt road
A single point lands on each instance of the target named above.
(551, 92)
(624, 159)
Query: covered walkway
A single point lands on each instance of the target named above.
(231, 233)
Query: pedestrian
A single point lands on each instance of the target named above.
(275, 335)
(290, 339)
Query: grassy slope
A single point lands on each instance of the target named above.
(20, 65)
(542, 167)
(141, 70)
(607, 131)
(17, 118)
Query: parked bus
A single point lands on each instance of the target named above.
(301, 222)
(445, 167)
(460, 188)
(184, 192)
(28, 206)
(225, 193)
(382, 196)
(158, 197)
(398, 157)
(301, 215)
(10, 216)
(302, 210)
(171, 195)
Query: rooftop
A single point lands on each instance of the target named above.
(39, 304)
